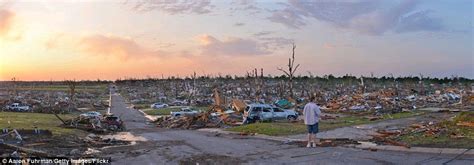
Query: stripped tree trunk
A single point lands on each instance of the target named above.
(291, 71)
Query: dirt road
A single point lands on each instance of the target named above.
(164, 146)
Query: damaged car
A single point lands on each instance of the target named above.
(266, 112)
(185, 112)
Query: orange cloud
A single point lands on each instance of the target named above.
(6, 20)
(124, 48)
(206, 39)
(328, 46)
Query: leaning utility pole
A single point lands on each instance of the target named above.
(291, 70)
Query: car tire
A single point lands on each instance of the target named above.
(113, 128)
(291, 117)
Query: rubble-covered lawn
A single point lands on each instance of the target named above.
(457, 132)
(89, 88)
(292, 128)
(19, 120)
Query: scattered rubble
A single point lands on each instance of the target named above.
(93, 140)
(107, 123)
(344, 94)
(326, 142)
(202, 120)
(457, 128)
(49, 97)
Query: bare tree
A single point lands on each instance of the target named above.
(72, 93)
(248, 88)
(422, 85)
(291, 70)
(15, 90)
(258, 84)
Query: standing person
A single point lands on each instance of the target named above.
(311, 114)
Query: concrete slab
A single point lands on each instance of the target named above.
(433, 109)
(470, 152)
(397, 148)
(425, 150)
(452, 151)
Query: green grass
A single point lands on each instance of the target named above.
(141, 106)
(444, 139)
(272, 129)
(203, 109)
(43, 121)
(285, 128)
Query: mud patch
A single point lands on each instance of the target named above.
(211, 160)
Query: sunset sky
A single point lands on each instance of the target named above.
(69, 39)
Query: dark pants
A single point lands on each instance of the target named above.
(313, 129)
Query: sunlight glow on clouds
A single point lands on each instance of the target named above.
(230, 46)
(114, 46)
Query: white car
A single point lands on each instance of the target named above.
(158, 105)
(264, 112)
(18, 107)
(184, 112)
(91, 114)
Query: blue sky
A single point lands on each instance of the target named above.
(70, 39)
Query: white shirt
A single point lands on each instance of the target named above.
(311, 113)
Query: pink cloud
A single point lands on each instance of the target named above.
(328, 46)
(6, 21)
(174, 6)
(124, 48)
(230, 47)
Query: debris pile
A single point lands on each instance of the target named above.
(108, 123)
(49, 97)
(201, 120)
(23, 142)
(93, 140)
(459, 127)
